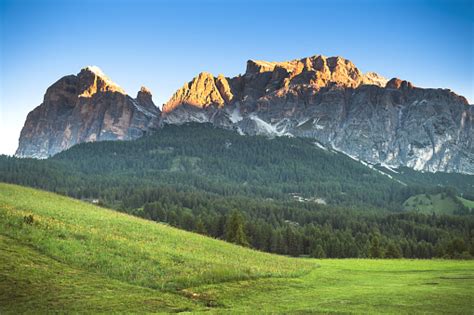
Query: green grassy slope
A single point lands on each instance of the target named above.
(32, 281)
(78, 257)
(468, 203)
(127, 248)
(434, 203)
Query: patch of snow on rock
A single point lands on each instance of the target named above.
(319, 145)
(235, 116)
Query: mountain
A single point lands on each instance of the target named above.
(328, 99)
(82, 108)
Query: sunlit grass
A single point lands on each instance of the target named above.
(62, 255)
(130, 249)
(435, 203)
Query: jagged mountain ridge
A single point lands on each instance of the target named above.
(82, 108)
(328, 99)
(263, 78)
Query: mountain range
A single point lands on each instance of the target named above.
(328, 99)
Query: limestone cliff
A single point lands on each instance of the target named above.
(332, 101)
(327, 99)
(82, 108)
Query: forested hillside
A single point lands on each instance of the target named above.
(283, 195)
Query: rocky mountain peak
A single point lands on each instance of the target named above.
(331, 100)
(144, 90)
(374, 79)
(93, 80)
(144, 97)
(201, 92)
(324, 98)
(262, 78)
(144, 93)
(259, 66)
(397, 83)
(318, 71)
(85, 107)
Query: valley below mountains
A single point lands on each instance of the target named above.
(327, 99)
(206, 157)
(241, 194)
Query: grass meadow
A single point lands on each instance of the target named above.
(62, 255)
(435, 203)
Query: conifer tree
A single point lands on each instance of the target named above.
(235, 229)
(318, 252)
(375, 251)
(393, 251)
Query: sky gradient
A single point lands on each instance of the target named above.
(163, 44)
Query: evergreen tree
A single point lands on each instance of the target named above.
(234, 229)
(318, 252)
(393, 251)
(375, 250)
(200, 227)
(292, 241)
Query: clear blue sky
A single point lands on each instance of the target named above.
(163, 44)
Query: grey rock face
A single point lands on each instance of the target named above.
(327, 99)
(330, 100)
(83, 108)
